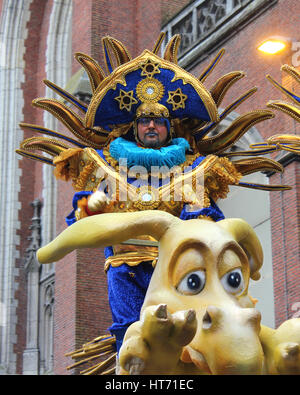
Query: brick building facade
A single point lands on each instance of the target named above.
(46, 312)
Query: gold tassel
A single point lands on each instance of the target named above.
(66, 164)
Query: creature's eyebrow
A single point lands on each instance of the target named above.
(191, 243)
(180, 268)
(229, 258)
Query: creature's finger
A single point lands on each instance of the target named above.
(157, 324)
(185, 326)
(287, 358)
(133, 354)
(135, 366)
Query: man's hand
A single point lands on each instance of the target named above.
(97, 201)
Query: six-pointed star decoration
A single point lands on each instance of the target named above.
(126, 100)
(177, 99)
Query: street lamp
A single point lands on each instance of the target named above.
(274, 45)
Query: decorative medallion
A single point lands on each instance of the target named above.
(150, 90)
(126, 100)
(147, 198)
(177, 99)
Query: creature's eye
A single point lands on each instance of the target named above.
(233, 281)
(192, 283)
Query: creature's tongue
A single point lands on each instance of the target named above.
(190, 355)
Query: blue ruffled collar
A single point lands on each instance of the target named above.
(171, 155)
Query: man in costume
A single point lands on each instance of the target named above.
(152, 113)
(129, 268)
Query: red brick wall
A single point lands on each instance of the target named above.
(171, 8)
(285, 218)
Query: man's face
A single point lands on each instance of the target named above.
(152, 132)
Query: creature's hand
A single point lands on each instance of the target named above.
(154, 344)
(287, 358)
(97, 201)
(283, 347)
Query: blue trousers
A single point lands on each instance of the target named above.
(127, 287)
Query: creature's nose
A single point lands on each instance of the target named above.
(215, 317)
(206, 321)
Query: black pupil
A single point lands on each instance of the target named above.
(234, 279)
(194, 281)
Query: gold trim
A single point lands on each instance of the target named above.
(94, 71)
(222, 85)
(171, 50)
(159, 41)
(211, 66)
(294, 73)
(142, 203)
(66, 96)
(71, 120)
(225, 139)
(207, 218)
(290, 109)
(131, 259)
(217, 180)
(151, 109)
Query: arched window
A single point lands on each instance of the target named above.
(46, 328)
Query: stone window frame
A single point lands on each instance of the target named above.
(236, 16)
(46, 324)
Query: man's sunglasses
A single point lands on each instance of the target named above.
(146, 121)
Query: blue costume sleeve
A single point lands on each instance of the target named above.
(70, 219)
(212, 211)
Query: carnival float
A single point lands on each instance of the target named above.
(197, 316)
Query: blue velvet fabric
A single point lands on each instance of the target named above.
(70, 219)
(109, 110)
(127, 287)
(212, 211)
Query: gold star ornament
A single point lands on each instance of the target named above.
(149, 68)
(177, 99)
(126, 100)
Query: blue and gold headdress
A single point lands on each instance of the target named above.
(149, 84)
(145, 85)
